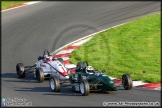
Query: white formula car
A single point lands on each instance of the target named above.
(45, 67)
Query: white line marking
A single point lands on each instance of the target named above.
(65, 58)
(88, 36)
(70, 66)
(33, 2)
(138, 83)
(159, 88)
(65, 51)
(82, 42)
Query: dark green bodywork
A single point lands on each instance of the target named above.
(97, 81)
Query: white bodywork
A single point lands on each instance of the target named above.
(53, 68)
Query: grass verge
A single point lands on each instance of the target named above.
(9, 4)
(132, 48)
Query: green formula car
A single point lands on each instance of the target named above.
(86, 79)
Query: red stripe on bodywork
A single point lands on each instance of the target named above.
(63, 69)
(62, 73)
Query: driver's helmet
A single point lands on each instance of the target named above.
(47, 58)
(89, 70)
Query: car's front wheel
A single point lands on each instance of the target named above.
(127, 81)
(54, 83)
(84, 88)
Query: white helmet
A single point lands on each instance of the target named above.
(89, 70)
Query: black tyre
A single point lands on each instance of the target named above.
(61, 60)
(127, 81)
(73, 89)
(39, 75)
(84, 88)
(20, 70)
(54, 83)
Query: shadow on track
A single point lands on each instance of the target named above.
(66, 88)
(65, 91)
(28, 78)
(69, 92)
(9, 75)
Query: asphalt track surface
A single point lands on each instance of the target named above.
(28, 30)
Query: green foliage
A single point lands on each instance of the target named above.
(132, 48)
(8, 4)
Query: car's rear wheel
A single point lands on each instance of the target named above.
(55, 84)
(20, 70)
(39, 75)
(73, 89)
(84, 87)
(127, 81)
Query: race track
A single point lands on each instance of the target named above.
(28, 30)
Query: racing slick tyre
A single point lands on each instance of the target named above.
(39, 75)
(127, 81)
(20, 70)
(73, 89)
(54, 83)
(84, 87)
(61, 60)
